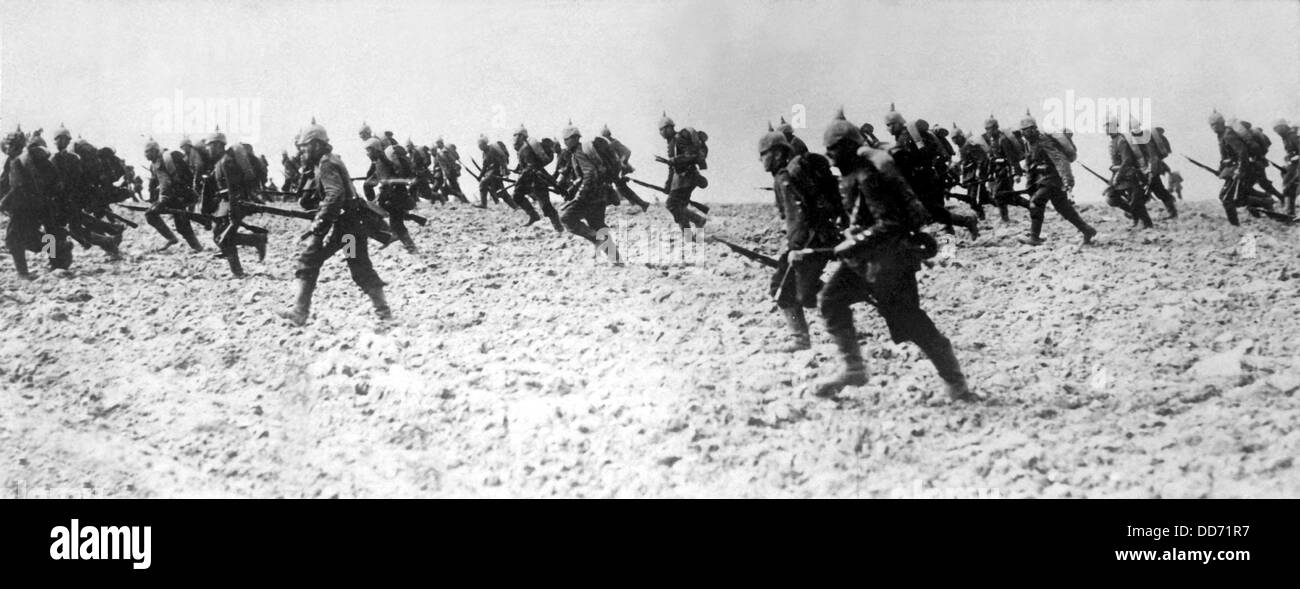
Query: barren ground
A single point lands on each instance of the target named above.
(1156, 364)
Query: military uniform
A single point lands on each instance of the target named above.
(1127, 191)
(236, 181)
(534, 182)
(972, 173)
(25, 197)
(448, 173)
(808, 201)
(881, 268)
(173, 182)
(685, 154)
(1238, 169)
(584, 215)
(495, 168)
(1004, 166)
(1291, 176)
(79, 195)
(623, 155)
(1153, 150)
(919, 158)
(1047, 184)
(386, 186)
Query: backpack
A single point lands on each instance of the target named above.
(111, 165)
(544, 156)
(700, 140)
(396, 155)
(1161, 144)
(1065, 144)
(505, 153)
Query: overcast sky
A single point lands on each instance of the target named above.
(457, 69)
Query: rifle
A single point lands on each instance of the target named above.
(205, 220)
(419, 220)
(751, 254)
(1275, 165)
(1202, 166)
(701, 206)
(767, 188)
(1094, 173)
(252, 208)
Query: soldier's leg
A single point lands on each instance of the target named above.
(256, 241)
(155, 220)
(397, 220)
(18, 236)
(899, 303)
(628, 194)
(186, 230)
(1037, 208)
(994, 187)
(1066, 209)
(574, 218)
(364, 275)
(1139, 200)
(521, 201)
(544, 201)
(844, 288)
(1158, 189)
(310, 260)
(454, 183)
(786, 292)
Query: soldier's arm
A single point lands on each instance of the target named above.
(334, 190)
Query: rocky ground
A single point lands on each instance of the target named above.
(1162, 363)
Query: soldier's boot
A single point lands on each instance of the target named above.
(107, 242)
(302, 306)
(939, 350)
(1035, 231)
(549, 210)
(970, 223)
(1290, 205)
(258, 241)
(798, 324)
(533, 217)
(188, 233)
(377, 299)
(1172, 208)
(1071, 214)
(161, 227)
(1004, 213)
(20, 263)
(696, 218)
(232, 255)
(1140, 214)
(1231, 210)
(854, 372)
(482, 200)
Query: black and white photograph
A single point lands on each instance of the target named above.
(662, 249)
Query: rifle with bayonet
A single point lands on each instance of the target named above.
(418, 219)
(701, 206)
(1202, 166)
(749, 253)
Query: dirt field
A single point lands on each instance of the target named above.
(1162, 363)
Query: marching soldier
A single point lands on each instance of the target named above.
(685, 159)
(171, 187)
(881, 264)
(534, 181)
(341, 224)
(1044, 161)
(392, 194)
(808, 200)
(1291, 165)
(584, 215)
(917, 154)
(624, 168)
(420, 162)
(1126, 191)
(236, 180)
(1004, 167)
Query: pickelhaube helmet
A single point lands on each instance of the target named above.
(841, 129)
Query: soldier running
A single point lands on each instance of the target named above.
(1291, 166)
(884, 227)
(340, 225)
(237, 178)
(534, 181)
(808, 200)
(1004, 167)
(919, 158)
(1047, 157)
(584, 215)
(685, 159)
(386, 185)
